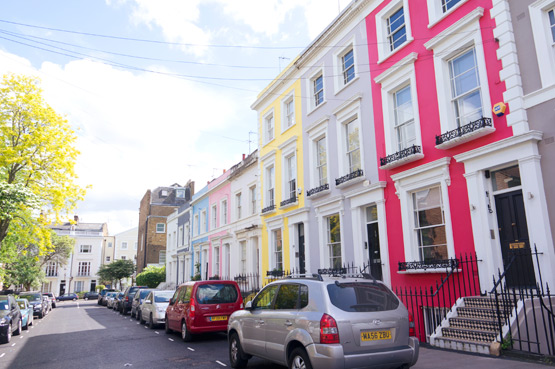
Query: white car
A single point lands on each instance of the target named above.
(153, 309)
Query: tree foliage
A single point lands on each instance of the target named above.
(116, 270)
(152, 276)
(37, 156)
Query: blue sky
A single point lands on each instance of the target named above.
(159, 90)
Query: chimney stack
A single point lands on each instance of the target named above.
(244, 156)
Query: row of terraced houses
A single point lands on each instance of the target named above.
(379, 146)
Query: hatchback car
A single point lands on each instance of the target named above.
(26, 313)
(127, 299)
(153, 308)
(10, 318)
(92, 295)
(110, 299)
(67, 297)
(52, 298)
(202, 306)
(324, 322)
(137, 301)
(40, 306)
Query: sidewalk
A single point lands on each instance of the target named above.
(435, 358)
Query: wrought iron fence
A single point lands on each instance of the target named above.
(430, 305)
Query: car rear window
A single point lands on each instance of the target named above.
(362, 297)
(163, 297)
(217, 293)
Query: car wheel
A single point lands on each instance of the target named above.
(167, 326)
(8, 337)
(26, 326)
(85, 298)
(299, 359)
(74, 299)
(41, 315)
(18, 330)
(236, 356)
(151, 322)
(185, 334)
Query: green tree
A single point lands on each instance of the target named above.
(37, 156)
(116, 271)
(152, 276)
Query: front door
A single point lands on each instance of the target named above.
(515, 243)
(372, 231)
(301, 249)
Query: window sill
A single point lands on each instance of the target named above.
(318, 194)
(404, 159)
(474, 130)
(316, 108)
(351, 182)
(346, 85)
(390, 54)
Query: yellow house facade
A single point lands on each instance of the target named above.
(284, 216)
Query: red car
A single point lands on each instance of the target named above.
(202, 306)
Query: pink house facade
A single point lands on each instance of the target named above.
(460, 179)
(219, 220)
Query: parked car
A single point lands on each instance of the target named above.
(137, 301)
(35, 299)
(127, 298)
(10, 318)
(118, 301)
(153, 308)
(67, 297)
(26, 313)
(331, 322)
(110, 299)
(52, 298)
(102, 294)
(202, 306)
(90, 295)
(46, 299)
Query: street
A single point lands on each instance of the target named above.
(84, 335)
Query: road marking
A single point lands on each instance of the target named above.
(190, 349)
(77, 305)
(128, 364)
(219, 362)
(157, 332)
(2, 355)
(137, 322)
(20, 337)
(13, 344)
(171, 339)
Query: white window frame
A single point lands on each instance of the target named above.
(311, 105)
(135, 246)
(224, 212)
(238, 205)
(316, 132)
(345, 114)
(436, 13)
(274, 251)
(124, 245)
(180, 236)
(162, 260)
(270, 183)
(268, 161)
(448, 44)
(382, 17)
(180, 193)
(107, 259)
(288, 150)
(339, 80)
(545, 47)
(214, 216)
(84, 269)
(392, 80)
(203, 221)
(196, 225)
(265, 128)
(85, 249)
(243, 251)
(329, 243)
(289, 174)
(428, 175)
(216, 261)
(51, 269)
(160, 229)
(285, 117)
(187, 233)
(253, 200)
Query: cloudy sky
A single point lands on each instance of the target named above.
(159, 91)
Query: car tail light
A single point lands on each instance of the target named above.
(412, 332)
(328, 330)
(126, 298)
(192, 307)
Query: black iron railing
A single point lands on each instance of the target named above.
(428, 264)
(464, 130)
(409, 151)
(290, 200)
(317, 189)
(348, 177)
(269, 208)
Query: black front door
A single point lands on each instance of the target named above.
(301, 249)
(515, 243)
(374, 250)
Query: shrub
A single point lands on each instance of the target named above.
(151, 276)
(100, 287)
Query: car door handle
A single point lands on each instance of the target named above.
(288, 323)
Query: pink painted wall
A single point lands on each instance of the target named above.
(215, 197)
(430, 126)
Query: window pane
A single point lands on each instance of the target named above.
(506, 178)
(552, 24)
(334, 229)
(396, 29)
(348, 67)
(372, 214)
(265, 298)
(448, 4)
(287, 297)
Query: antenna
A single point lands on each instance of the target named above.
(251, 133)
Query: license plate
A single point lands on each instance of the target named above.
(375, 335)
(218, 318)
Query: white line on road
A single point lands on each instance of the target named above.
(190, 349)
(145, 326)
(171, 339)
(13, 344)
(137, 322)
(157, 332)
(2, 355)
(219, 362)
(77, 305)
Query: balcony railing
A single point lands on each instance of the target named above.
(414, 149)
(348, 177)
(464, 130)
(290, 200)
(269, 208)
(428, 264)
(318, 189)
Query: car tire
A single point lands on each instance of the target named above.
(151, 322)
(74, 299)
(18, 330)
(26, 326)
(237, 357)
(8, 337)
(299, 359)
(41, 315)
(141, 320)
(85, 298)
(185, 333)
(167, 326)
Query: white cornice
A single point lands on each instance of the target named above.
(346, 104)
(421, 169)
(409, 59)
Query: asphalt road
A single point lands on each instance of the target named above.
(84, 335)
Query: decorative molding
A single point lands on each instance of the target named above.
(455, 27)
(470, 131)
(409, 59)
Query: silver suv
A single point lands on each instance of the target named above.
(324, 322)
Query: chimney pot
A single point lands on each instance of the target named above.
(244, 156)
